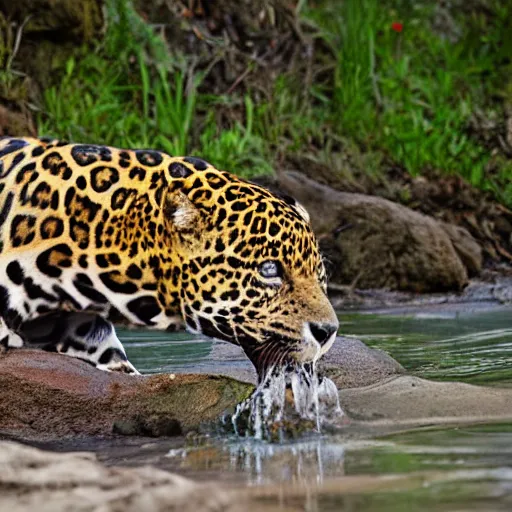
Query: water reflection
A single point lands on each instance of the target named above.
(264, 463)
(299, 462)
(322, 458)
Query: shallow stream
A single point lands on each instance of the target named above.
(457, 468)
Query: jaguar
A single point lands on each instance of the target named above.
(89, 233)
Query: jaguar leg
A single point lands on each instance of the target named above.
(83, 335)
(8, 338)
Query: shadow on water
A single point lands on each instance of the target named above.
(451, 469)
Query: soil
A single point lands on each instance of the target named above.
(244, 44)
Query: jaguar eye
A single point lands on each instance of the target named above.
(270, 270)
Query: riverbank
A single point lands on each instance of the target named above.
(417, 172)
(408, 438)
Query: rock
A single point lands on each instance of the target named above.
(375, 243)
(52, 482)
(467, 247)
(52, 395)
(154, 425)
(447, 198)
(349, 363)
(411, 400)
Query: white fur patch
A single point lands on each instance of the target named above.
(183, 217)
(302, 211)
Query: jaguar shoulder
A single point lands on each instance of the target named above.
(165, 242)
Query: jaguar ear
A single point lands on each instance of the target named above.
(179, 211)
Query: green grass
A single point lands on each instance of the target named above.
(411, 94)
(150, 108)
(406, 96)
(131, 92)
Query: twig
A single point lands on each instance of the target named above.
(17, 43)
(190, 77)
(239, 79)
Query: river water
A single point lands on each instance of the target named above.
(457, 468)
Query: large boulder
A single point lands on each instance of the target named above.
(467, 248)
(52, 395)
(351, 364)
(374, 243)
(47, 395)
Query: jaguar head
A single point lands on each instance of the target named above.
(246, 267)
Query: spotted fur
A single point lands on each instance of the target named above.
(165, 241)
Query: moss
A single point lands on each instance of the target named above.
(193, 399)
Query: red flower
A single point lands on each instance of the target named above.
(397, 27)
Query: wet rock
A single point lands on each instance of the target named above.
(411, 400)
(349, 363)
(52, 482)
(154, 425)
(51, 395)
(375, 243)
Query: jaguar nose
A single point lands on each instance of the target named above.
(322, 332)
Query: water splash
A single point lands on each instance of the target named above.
(287, 400)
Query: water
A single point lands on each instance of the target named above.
(263, 416)
(455, 468)
(469, 346)
(472, 345)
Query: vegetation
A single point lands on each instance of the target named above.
(388, 80)
(411, 91)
